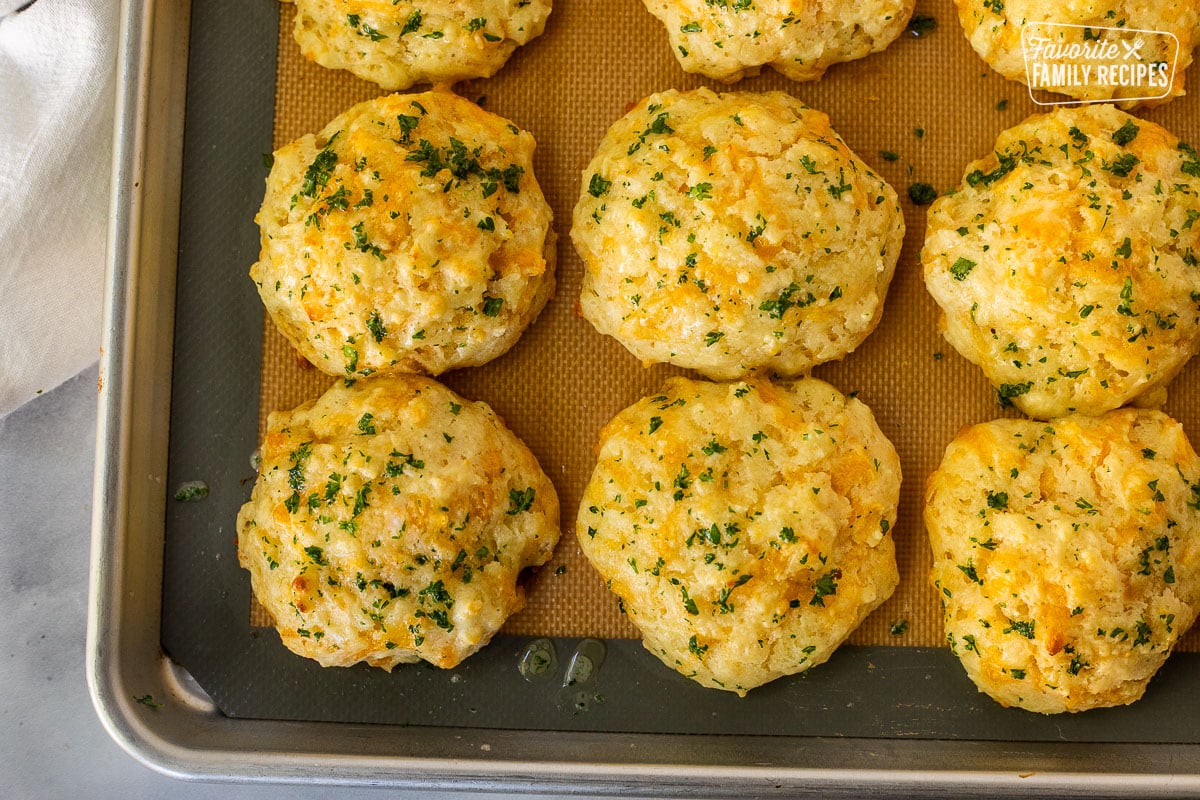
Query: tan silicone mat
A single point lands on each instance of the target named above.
(930, 100)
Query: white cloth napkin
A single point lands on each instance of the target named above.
(57, 66)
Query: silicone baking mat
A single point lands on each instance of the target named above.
(927, 99)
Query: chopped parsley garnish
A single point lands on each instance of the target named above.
(1121, 166)
(463, 164)
(922, 194)
(824, 586)
(413, 24)
(1023, 628)
(787, 299)
(408, 124)
(316, 555)
(296, 472)
(520, 500)
(360, 499)
(350, 353)
(598, 186)
(1126, 133)
(1191, 160)
(689, 605)
(841, 187)
(1007, 164)
(1008, 391)
(436, 592)
(376, 327)
(395, 469)
(658, 126)
(320, 170)
(1125, 308)
(969, 571)
(961, 268)
(682, 482)
(362, 244)
(356, 23)
(149, 702)
(757, 230)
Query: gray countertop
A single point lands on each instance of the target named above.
(51, 742)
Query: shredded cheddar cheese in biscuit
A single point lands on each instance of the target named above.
(1066, 265)
(389, 523)
(994, 28)
(399, 43)
(733, 233)
(744, 526)
(1066, 555)
(732, 39)
(409, 235)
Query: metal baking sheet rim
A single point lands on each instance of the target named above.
(187, 737)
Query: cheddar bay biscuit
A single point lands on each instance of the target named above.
(733, 233)
(730, 39)
(399, 43)
(389, 523)
(745, 526)
(409, 235)
(994, 28)
(1065, 265)
(1066, 555)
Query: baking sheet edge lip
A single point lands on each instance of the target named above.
(659, 780)
(112, 405)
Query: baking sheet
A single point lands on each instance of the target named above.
(563, 382)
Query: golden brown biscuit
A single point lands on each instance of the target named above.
(994, 29)
(399, 43)
(744, 526)
(733, 233)
(730, 39)
(409, 235)
(1066, 263)
(389, 523)
(1066, 555)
